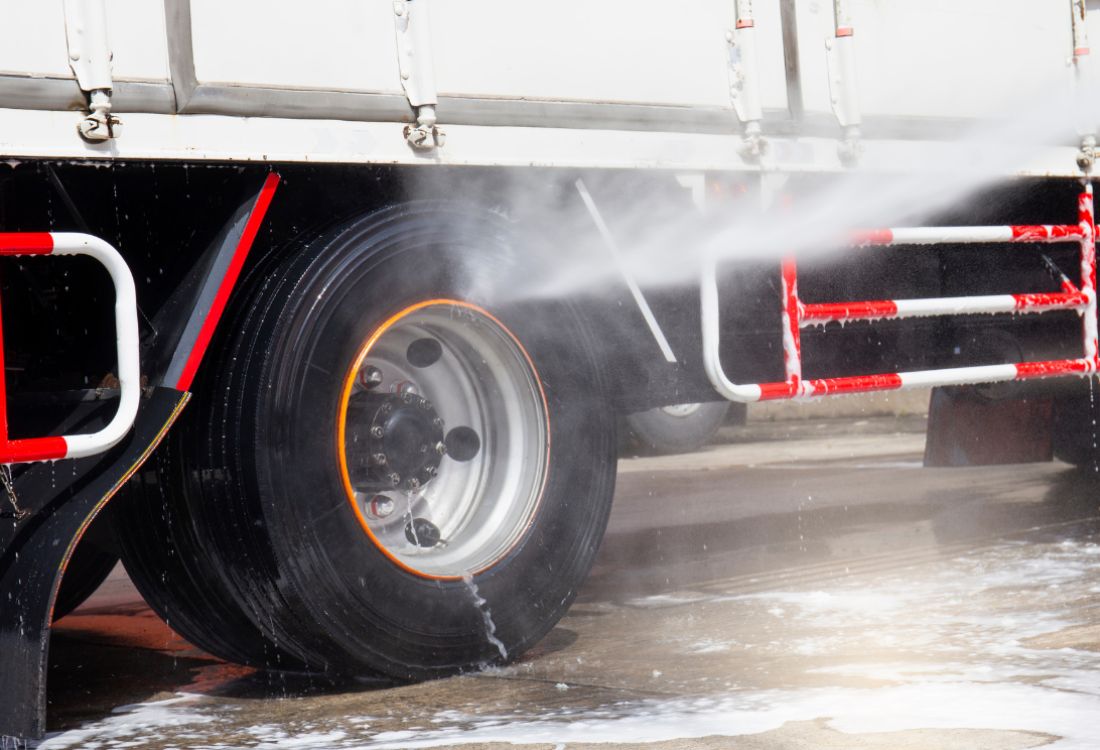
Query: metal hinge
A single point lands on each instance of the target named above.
(843, 93)
(744, 78)
(414, 56)
(90, 58)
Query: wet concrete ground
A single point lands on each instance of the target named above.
(823, 591)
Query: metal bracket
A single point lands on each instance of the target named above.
(843, 93)
(1081, 66)
(90, 58)
(744, 78)
(796, 314)
(412, 21)
(126, 334)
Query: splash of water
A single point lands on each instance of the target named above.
(486, 615)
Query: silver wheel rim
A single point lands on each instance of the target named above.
(480, 379)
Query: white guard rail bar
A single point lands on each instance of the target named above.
(797, 315)
(126, 330)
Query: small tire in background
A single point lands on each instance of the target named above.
(1076, 430)
(87, 570)
(681, 428)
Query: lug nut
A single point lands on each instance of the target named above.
(422, 532)
(370, 377)
(395, 479)
(377, 431)
(381, 506)
(414, 483)
(441, 449)
(380, 459)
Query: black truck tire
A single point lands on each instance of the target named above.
(404, 469)
(676, 429)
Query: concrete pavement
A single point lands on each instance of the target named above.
(797, 586)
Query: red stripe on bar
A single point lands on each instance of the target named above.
(830, 311)
(26, 243)
(792, 310)
(1051, 300)
(1080, 51)
(1069, 287)
(845, 31)
(872, 237)
(251, 228)
(777, 391)
(1043, 233)
(1051, 368)
(3, 387)
(747, 23)
(857, 384)
(33, 449)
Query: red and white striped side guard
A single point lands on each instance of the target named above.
(126, 331)
(796, 315)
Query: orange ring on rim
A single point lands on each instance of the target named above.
(341, 431)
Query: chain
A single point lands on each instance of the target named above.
(9, 489)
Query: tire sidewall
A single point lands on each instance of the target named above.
(419, 626)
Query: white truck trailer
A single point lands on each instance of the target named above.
(368, 241)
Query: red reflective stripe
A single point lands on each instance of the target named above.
(872, 237)
(1044, 232)
(745, 24)
(252, 227)
(775, 391)
(850, 310)
(33, 449)
(3, 386)
(1049, 369)
(857, 384)
(792, 308)
(1029, 301)
(845, 31)
(1081, 51)
(26, 243)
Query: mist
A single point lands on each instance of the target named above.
(662, 230)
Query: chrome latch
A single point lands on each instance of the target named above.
(744, 79)
(90, 59)
(414, 56)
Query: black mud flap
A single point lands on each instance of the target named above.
(967, 429)
(62, 499)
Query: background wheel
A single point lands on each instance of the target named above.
(87, 570)
(676, 429)
(405, 470)
(1075, 434)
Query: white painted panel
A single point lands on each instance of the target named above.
(136, 29)
(940, 58)
(32, 38)
(648, 51)
(322, 44)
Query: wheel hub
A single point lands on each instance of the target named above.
(396, 441)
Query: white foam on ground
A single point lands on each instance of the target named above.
(140, 723)
(943, 646)
(1009, 707)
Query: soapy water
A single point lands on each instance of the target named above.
(970, 643)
